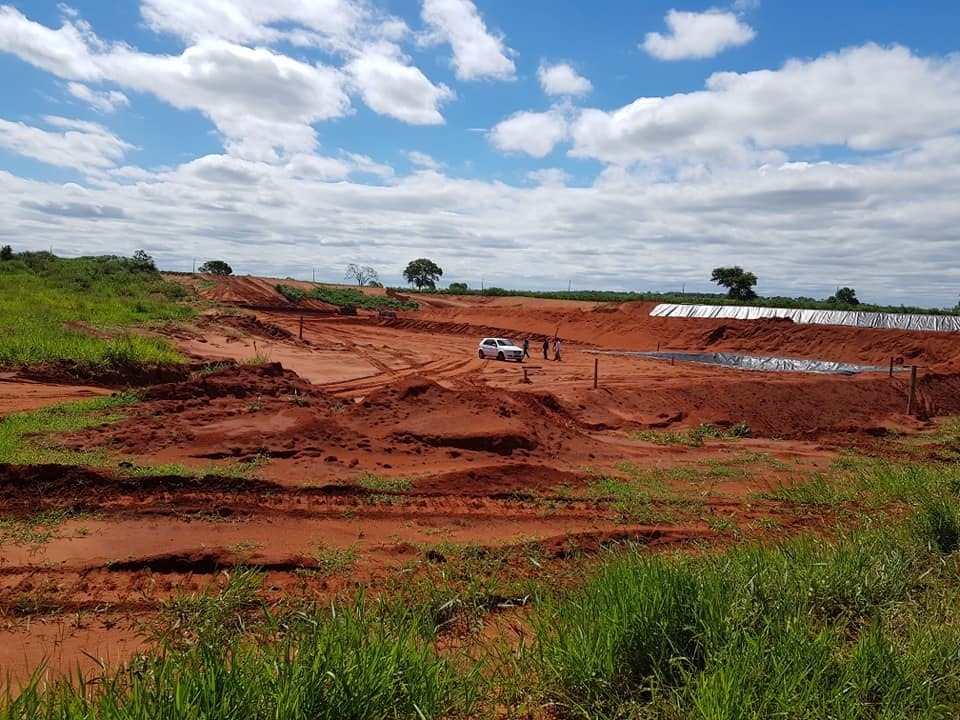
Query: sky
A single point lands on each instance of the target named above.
(542, 144)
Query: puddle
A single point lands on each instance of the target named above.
(757, 362)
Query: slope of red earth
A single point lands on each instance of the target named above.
(386, 439)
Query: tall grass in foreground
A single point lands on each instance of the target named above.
(859, 626)
(346, 665)
(855, 629)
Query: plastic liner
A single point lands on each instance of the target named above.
(757, 362)
(890, 321)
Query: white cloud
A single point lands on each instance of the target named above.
(885, 226)
(64, 52)
(562, 79)
(329, 24)
(106, 102)
(697, 35)
(549, 177)
(855, 98)
(532, 133)
(83, 146)
(422, 160)
(476, 52)
(390, 87)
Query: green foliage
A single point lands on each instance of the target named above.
(6, 253)
(694, 437)
(357, 298)
(844, 296)
(458, 288)
(18, 427)
(348, 664)
(294, 295)
(936, 524)
(423, 273)
(809, 629)
(216, 267)
(76, 309)
(738, 281)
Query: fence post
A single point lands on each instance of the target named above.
(596, 364)
(911, 400)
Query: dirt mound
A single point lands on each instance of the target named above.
(260, 293)
(68, 371)
(237, 381)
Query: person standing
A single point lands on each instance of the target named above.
(546, 347)
(556, 349)
(526, 347)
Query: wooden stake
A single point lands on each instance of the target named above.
(911, 401)
(891, 366)
(596, 365)
(301, 327)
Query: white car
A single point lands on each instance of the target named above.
(500, 348)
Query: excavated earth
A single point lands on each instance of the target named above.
(297, 434)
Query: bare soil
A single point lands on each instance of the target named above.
(387, 440)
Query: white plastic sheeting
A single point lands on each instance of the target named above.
(757, 362)
(891, 321)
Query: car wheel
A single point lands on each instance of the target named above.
(482, 356)
(499, 356)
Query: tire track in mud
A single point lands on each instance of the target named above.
(434, 370)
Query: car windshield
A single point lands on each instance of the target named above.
(502, 341)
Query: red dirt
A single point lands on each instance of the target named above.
(389, 437)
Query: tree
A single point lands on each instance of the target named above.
(143, 262)
(844, 296)
(6, 252)
(361, 273)
(458, 288)
(423, 273)
(216, 267)
(738, 282)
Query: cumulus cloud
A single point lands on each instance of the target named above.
(664, 234)
(562, 79)
(106, 101)
(697, 35)
(262, 101)
(72, 144)
(65, 52)
(532, 133)
(391, 87)
(332, 25)
(853, 98)
(476, 52)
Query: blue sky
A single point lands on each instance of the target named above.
(542, 144)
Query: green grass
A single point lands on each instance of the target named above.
(345, 297)
(29, 438)
(34, 530)
(809, 629)
(383, 484)
(21, 434)
(82, 310)
(694, 437)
